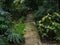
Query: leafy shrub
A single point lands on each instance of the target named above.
(49, 26)
(16, 34)
(6, 31)
(15, 38)
(6, 25)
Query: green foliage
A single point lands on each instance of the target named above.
(15, 38)
(49, 26)
(17, 9)
(4, 19)
(31, 4)
(3, 41)
(16, 34)
(18, 26)
(45, 7)
(5, 23)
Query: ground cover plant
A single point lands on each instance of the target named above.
(49, 26)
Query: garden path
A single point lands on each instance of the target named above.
(30, 32)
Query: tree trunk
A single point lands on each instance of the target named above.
(30, 32)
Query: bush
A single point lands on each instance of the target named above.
(6, 28)
(16, 35)
(49, 26)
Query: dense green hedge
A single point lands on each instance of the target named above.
(49, 26)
